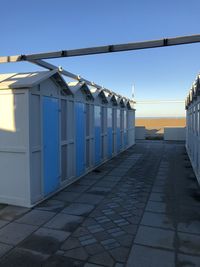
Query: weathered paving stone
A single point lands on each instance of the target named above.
(119, 265)
(157, 220)
(94, 249)
(107, 184)
(60, 252)
(100, 236)
(99, 190)
(36, 217)
(102, 219)
(4, 248)
(153, 257)
(155, 237)
(188, 260)
(95, 228)
(156, 206)
(85, 237)
(71, 243)
(66, 196)
(110, 244)
(62, 261)
(192, 227)
(125, 240)
(114, 230)
(77, 188)
(80, 231)
(23, 258)
(14, 233)
(78, 209)
(88, 241)
(65, 222)
(89, 198)
(189, 243)
(89, 182)
(157, 197)
(102, 259)
(130, 229)
(3, 223)
(121, 222)
(45, 240)
(2, 206)
(158, 189)
(120, 254)
(92, 265)
(51, 205)
(120, 233)
(10, 213)
(77, 253)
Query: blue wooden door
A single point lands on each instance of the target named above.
(50, 144)
(109, 132)
(97, 135)
(80, 138)
(118, 131)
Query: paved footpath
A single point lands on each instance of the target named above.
(140, 209)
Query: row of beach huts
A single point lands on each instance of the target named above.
(52, 132)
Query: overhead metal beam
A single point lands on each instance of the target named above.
(105, 49)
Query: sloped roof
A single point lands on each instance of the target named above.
(122, 102)
(94, 91)
(104, 96)
(28, 80)
(114, 98)
(130, 104)
(76, 86)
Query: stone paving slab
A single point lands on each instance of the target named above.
(142, 256)
(23, 258)
(157, 220)
(189, 243)
(51, 205)
(14, 233)
(190, 227)
(3, 223)
(188, 260)
(66, 196)
(62, 261)
(45, 241)
(78, 209)
(10, 213)
(36, 217)
(155, 237)
(4, 248)
(155, 206)
(65, 222)
(89, 199)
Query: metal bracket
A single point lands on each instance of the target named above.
(63, 53)
(165, 42)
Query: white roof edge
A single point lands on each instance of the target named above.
(47, 74)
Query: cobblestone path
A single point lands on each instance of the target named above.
(135, 210)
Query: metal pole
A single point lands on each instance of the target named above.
(105, 49)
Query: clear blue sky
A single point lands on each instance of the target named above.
(48, 25)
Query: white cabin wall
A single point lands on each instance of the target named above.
(14, 147)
